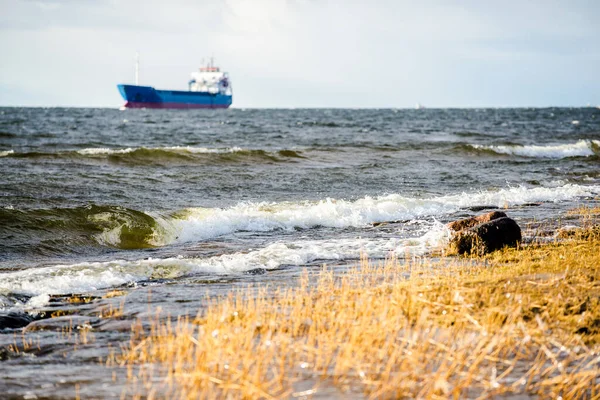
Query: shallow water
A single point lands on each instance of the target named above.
(169, 205)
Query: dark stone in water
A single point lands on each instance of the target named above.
(383, 223)
(531, 204)
(481, 208)
(487, 236)
(14, 320)
(256, 271)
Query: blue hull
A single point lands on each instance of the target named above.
(148, 97)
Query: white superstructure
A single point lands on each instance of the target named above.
(210, 79)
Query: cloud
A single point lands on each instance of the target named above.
(307, 53)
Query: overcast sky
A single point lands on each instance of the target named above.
(306, 53)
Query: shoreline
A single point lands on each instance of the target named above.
(522, 321)
(515, 322)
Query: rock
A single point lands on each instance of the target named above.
(14, 320)
(486, 237)
(466, 223)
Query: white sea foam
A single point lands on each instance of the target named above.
(6, 153)
(175, 149)
(104, 150)
(190, 149)
(202, 223)
(196, 224)
(90, 276)
(582, 148)
(38, 301)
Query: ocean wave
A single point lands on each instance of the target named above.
(60, 230)
(174, 149)
(582, 148)
(56, 231)
(91, 276)
(326, 124)
(109, 224)
(472, 134)
(203, 223)
(160, 155)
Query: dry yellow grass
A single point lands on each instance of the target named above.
(518, 321)
(110, 311)
(114, 293)
(585, 212)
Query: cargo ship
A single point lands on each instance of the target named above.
(208, 88)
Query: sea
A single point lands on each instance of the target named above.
(167, 207)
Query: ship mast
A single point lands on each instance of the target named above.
(137, 68)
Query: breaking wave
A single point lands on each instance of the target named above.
(165, 155)
(204, 223)
(90, 276)
(55, 231)
(58, 230)
(582, 148)
(173, 149)
(125, 228)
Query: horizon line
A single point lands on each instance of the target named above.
(326, 107)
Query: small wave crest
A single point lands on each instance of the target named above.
(290, 153)
(166, 155)
(582, 148)
(173, 149)
(54, 231)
